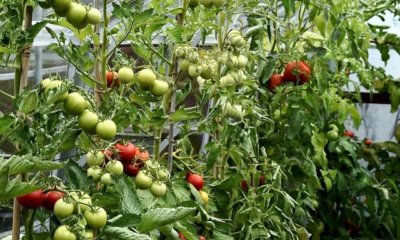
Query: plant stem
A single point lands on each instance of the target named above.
(28, 223)
(157, 142)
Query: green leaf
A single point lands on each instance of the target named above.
(187, 229)
(289, 6)
(76, 176)
(129, 199)
(119, 233)
(214, 151)
(29, 102)
(69, 138)
(125, 220)
(220, 236)
(6, 122)
(158, 217)
(183, 114)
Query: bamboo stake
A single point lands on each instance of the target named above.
(21, 81)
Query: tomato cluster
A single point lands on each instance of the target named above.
(76, 14)
(131, 160)
(296, 72)
(245, 186)
(76, 104)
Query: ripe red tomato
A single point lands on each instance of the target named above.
(261, 180)
(181, 236)
(295, 71)
(131, 170)
(348, 133)
(32, 200)
(51, 199)
(142, 155)
(196, 180)
(244, 186)
(112, 79)
(126, 152)
(275, 81)
(368, 142)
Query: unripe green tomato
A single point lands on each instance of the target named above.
(61, 7)
(237, 41)
(193, 57)
(89, 235)
(45, 4)
(142, 181)
(63, 233)
(95, 173)
(184, 65)
(163, 175)
(74, 103)
(332, 135)
(45, 82)
(195, 70)
(93, 16)
(106, 179)
(159, 88)
(115, 167)
(158, 189)
(227, 81)
(206, 3)
(146, 78)
(76, 13)
(83, 201)
(56, 84)
(233, 33)
(207, 72)
(88, 121)
(95, 158)
(96, 218)
(242, 61)
(125, 75)
(180, 52)
(218, 3)
(63, 209)
(106, 129)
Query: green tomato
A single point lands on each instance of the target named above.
(159, 88)
(206, 3)
(146, 78)
(45, 82)
(163, 175)
(193, 3)
(332, 135)
(218, 3)
(83, 201)
(88, 121)
(96, 218)
(74, 103)
(61, 7)
(242, 61)
(158, 189)
(89, 235)
(106, 179)
(95, 158)
(125, 75)
(115, 167)
(194, 70)
(207, 72)
(63, 209)
(76, 13)
(93, 16)
(142, 181)
(95, 173)
(53, 85)
(46, 4)
(237, 41)
(106, 129)
(184, 65)
(63, 233)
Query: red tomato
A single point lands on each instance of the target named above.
(51, 199)
(295, 71)
(244, 186)
(201, 237)
(368, 142)
(126, 152)
(261, 180)
(181, 236)
(32, 200)
(112, 79)
(108, 154)
(196, 180)
(348, 133)
(131, 170)
(142, 155)
(275, 81)
(187, 175)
